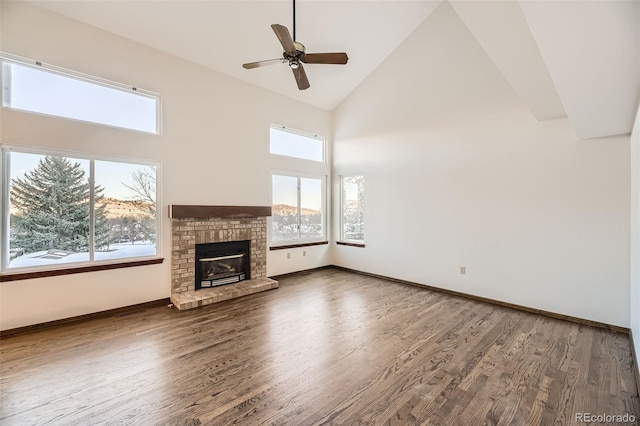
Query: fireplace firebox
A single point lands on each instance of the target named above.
(222, 263)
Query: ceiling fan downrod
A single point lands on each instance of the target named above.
(294, 20)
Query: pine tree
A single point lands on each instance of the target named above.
(52, 203)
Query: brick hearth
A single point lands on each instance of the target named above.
(207, 296)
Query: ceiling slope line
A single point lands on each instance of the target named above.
(591, 52)
(503, 33)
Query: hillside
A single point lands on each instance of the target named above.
(118, 208)
(287, 210)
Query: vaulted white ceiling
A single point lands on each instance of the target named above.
(579, 59)
(223, 35)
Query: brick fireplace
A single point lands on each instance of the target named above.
(191, 225)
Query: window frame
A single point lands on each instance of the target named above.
(306, 241)
(303, 134)
(342, 239)
(18, 60)
(5, 170)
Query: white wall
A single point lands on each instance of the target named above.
(459, 173)
(214, 127)
(635, 234)
(635, 223)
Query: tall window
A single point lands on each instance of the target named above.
(294, 143)
(352, 203)
(35, 87)
(68, 209)
(299, 194)
(297, 209)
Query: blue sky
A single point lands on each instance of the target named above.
(296, 145)
(38, 90)
(110, 175)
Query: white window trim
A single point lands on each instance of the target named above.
(323, 238)
(5, 169)
(10, 58)
(305, 134)
(341, 232)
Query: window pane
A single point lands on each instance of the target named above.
(284, 214)
(295, 145)
(310, 208)
(353, 208)
(46, 92)
(49, 210)
(125, 213)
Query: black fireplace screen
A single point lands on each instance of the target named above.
(222, 263)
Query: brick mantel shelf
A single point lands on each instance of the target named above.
(179, 211)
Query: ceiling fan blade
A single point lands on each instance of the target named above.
(252, 65)
(339, 58)
(301, 78)
(285, 38)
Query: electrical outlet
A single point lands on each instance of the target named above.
(288, 255)
(304, 252)
(463, 270)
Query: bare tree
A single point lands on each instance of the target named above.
(144, 188)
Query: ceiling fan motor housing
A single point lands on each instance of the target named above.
(294, 59)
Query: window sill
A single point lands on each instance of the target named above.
(290, 246)
(344, 243)
(15, 276)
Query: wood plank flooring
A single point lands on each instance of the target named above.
(327, 347)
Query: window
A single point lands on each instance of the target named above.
(297, 209)
(352, 202)
(34, 87)
(293, 143)
(298, 194)
(65, 209)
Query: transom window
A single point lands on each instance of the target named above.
(68, 209)
(297, 144)
(44, 89)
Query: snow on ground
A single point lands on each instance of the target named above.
(117, 251)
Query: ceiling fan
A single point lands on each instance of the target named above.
(295, 54)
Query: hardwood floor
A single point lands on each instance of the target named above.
(327, 347)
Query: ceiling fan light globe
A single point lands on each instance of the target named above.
(294, 65)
